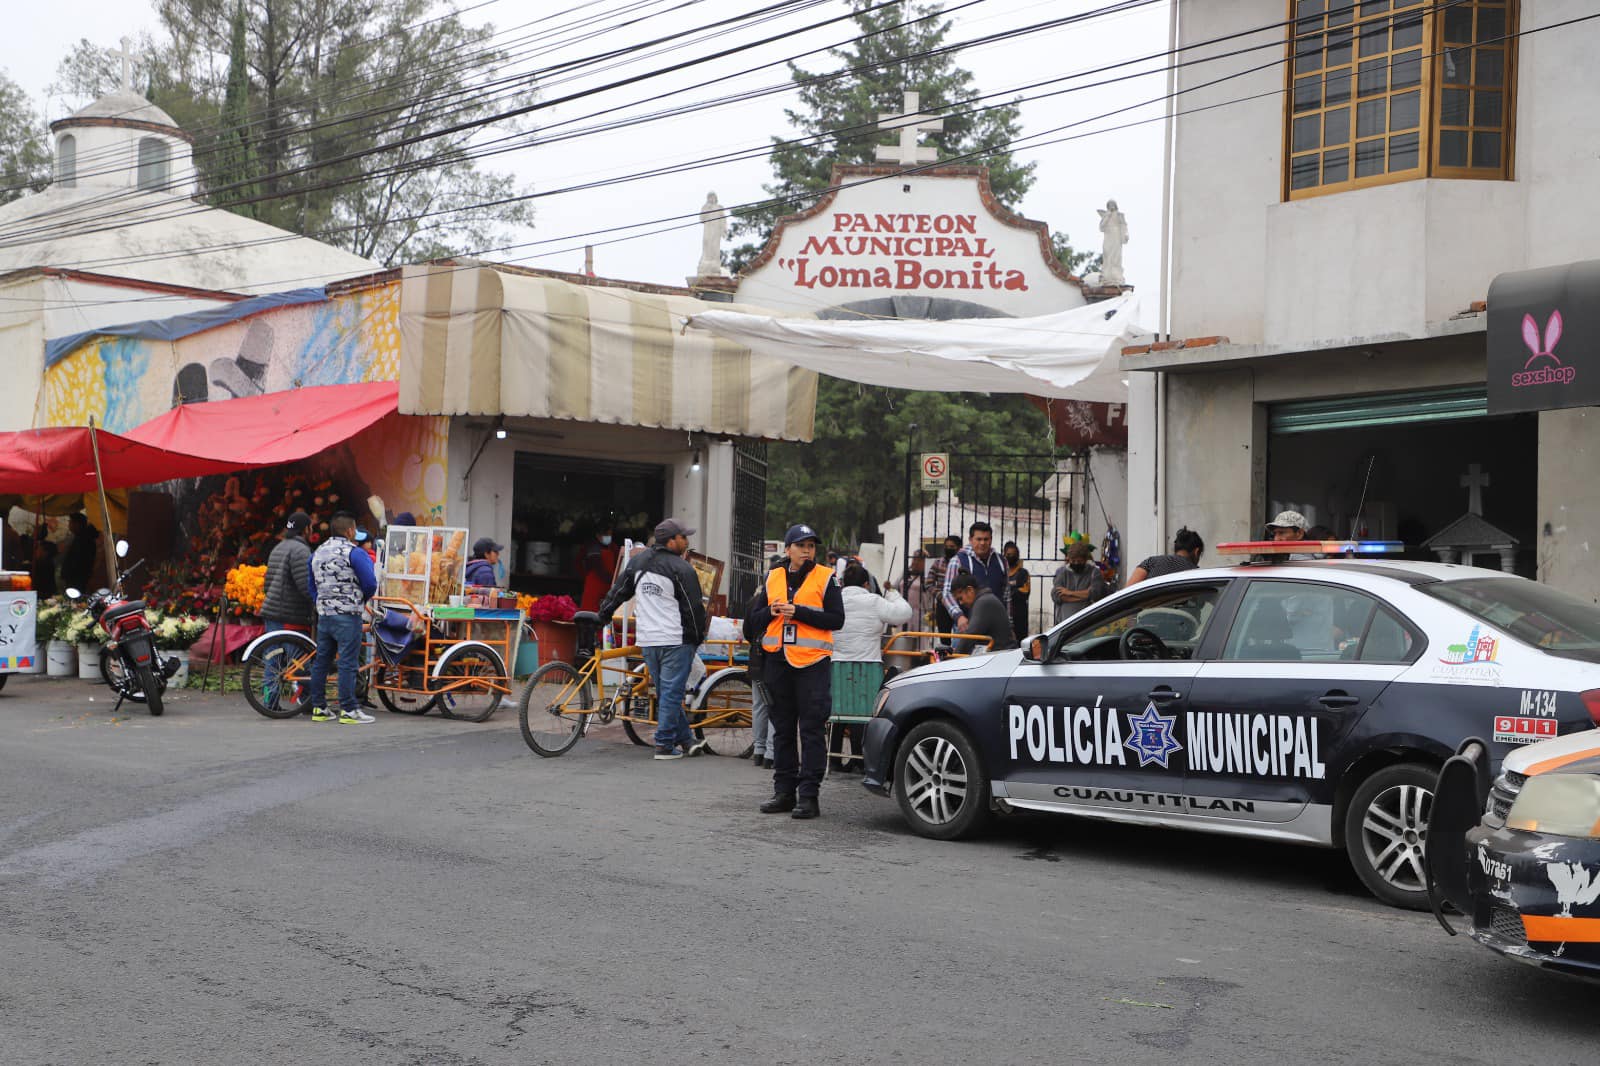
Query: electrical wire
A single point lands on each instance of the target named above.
(812, 194)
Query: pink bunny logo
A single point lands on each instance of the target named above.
(1543, 348)
(1552, 337)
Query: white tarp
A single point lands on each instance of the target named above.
(1070, 355)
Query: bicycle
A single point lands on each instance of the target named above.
(466, 681)
(561, 699)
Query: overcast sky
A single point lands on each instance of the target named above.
(1073, 178)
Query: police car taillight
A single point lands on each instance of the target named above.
(1591, 703)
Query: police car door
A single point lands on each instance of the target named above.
(1301, 664)
(1095, 729)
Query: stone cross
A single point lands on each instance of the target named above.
(127, 55)
(908, 152)
(1474, 481)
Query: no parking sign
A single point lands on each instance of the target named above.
(935, 471)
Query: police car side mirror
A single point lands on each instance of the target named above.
(1036, 647)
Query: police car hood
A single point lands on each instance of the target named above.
(1000, 662)
(1575, 753)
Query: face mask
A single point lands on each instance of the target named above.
(1013, 559)
(499, 572)
(606, 540)
(1078, 568)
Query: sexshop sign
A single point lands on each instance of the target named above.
(1543, 328)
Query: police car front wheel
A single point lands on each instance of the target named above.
(939, 782)
(1385, 832)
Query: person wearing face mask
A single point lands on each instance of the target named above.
(1077, 582)
(1020, 583)
(597, 564)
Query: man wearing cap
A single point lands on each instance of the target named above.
(1289, 525)
(1078, 582)
(794, 617)
(485, 553)
(286, 602)
(670, 622)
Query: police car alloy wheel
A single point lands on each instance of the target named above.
(939, 782)
(1386, 830)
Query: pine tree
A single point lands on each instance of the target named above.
(236, 157)
(837, 121)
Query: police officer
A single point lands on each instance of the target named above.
(794, 618)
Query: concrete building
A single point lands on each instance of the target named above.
(119, 238)
(1338, 221)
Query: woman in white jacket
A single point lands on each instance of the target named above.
(860, 641)
(865, 615)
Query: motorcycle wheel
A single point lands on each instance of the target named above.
(152, 690)
(115, 674)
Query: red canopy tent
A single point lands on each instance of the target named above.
(193, 440)
(278, 427)
(61, 460)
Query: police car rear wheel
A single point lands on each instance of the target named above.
(1385, 833)
(939, 782)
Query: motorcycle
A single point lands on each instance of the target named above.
(129, 664)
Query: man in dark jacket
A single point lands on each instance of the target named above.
(980, 560)
(670, 622)
(286, 602)
(986, 615)
(78, 561)
(794, 617)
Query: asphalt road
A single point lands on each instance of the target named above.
(213, 887)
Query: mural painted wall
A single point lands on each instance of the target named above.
(354, 337)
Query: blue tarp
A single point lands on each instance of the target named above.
(178, 326)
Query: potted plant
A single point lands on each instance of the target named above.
(175, 635)
(551, 617)
(61, 658)
(82, 631)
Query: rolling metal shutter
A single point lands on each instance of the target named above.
(1385, 409)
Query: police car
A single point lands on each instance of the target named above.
(1521, 859)
(1310, 701)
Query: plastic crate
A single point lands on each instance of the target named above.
(855, 688)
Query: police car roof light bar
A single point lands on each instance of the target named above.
(1312, 547)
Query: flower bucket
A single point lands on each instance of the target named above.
(527, 656)
(181, 678)
(62, 659)
(557, 640)
(89, 662)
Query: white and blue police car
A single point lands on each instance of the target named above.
(1310, 701)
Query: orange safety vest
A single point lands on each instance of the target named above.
(811, 645)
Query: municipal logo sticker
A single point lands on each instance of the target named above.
(1152, 737)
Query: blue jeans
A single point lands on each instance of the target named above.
(669, 667)
(337, 635)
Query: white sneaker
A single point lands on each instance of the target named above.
(355, 717)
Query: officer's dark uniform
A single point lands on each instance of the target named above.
(801, 698)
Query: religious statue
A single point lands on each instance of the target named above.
(1114, 224)
(714, 227)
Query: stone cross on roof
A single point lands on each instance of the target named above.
(908, 152)
(127, 55)
(1474, 481)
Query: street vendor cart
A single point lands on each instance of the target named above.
(426, 648)
(19, 608)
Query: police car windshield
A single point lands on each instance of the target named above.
(1533, 613)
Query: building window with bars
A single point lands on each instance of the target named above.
(1389, 90)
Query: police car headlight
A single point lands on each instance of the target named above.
(1564, 804)
(883, 698)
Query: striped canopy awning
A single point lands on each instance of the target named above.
(477, 340)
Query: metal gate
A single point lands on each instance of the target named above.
(749, 523)
(1034, 500)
